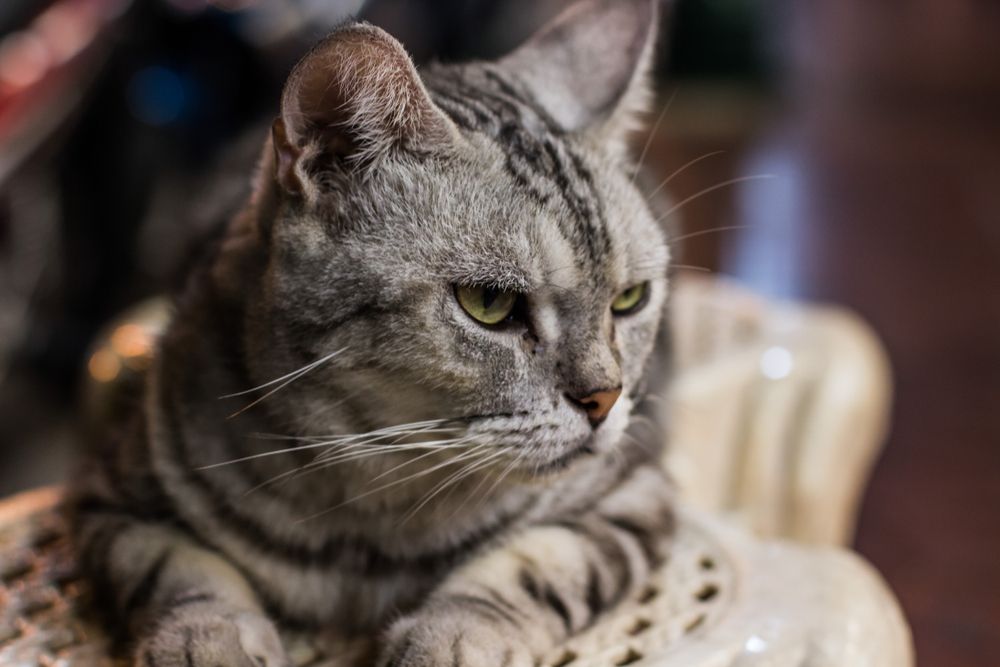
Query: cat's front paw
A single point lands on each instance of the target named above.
(454, 639)
(207, 636)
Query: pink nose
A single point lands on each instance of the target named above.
(597, 404)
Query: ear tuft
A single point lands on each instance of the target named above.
(589, 67)
(355, 96)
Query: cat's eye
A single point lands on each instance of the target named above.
(487, 305)
(630, 300)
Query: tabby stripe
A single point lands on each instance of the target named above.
(96, 547)
(396, 659)
(556, 603)
(484, 606)
(188, 639)
(507, 87)
(524, 147)
(577, 202)
(612, 555)
(475, 117)
(190, 599)
(334, 550)
(529, 584)
(646, 540)
(593, 596)
(603, 242)
(144, 590)
(320, 330)
(518, 174)
(500, 600)
(94, 506)
(499, 105)
(458, 114)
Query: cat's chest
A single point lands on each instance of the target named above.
(355, 578)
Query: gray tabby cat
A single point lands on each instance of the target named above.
(469, 285)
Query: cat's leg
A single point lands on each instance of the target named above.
(510, 607)
(184, 605)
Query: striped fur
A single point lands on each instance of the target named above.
(410, 474)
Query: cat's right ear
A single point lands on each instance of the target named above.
(354, 98)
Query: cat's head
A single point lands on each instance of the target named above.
(468, 245)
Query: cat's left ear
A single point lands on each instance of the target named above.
(589, 67)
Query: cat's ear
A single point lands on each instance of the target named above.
(355, 97)
(589, 67)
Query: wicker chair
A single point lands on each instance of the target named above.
(779, 411)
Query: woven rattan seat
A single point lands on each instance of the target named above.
(721, 599)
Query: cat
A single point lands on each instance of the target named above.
(397, 399)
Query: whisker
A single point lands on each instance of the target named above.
(305, 369)
(340, 444)
(452, 480)
(378, 450)
(347, 441)
(315, 465)
(714, 230)
(375, 449)
(384, 429)
(691, 267)
(681, 170)
(718, 186)
(478, 462)
(463, 441)
(421, 473)
(294, 376)
(652, 134)
(506, 471)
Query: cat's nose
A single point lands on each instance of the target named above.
(597, 404)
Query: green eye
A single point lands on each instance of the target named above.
(630, 300)
(486, 304)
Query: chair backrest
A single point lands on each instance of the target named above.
(777, 410)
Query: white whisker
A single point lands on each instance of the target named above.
(681, 170)
(652, 134)
(714, 230)
(506, 471)
(292, 377)
(421, 473)
(459, 443)
(305, 369)
(724, 184)
(346, 440)
(454, 479)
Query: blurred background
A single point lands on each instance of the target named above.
(876, 122)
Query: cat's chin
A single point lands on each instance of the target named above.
(560, 463)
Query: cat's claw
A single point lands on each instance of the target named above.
(212, 637)
(453, 639)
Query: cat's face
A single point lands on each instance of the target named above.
(493, 268)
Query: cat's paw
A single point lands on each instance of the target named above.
(211, 637)
(454, 639)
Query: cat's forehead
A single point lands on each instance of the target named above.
(573, 207)
(493, 232)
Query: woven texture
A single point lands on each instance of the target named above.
(42, 602)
